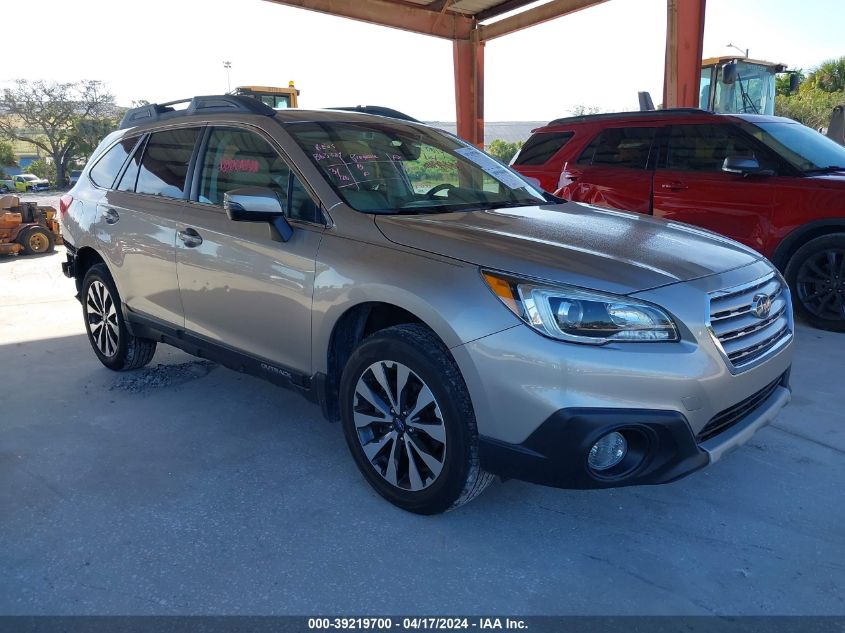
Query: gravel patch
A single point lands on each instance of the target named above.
(150, 378)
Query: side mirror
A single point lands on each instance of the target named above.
(257, 204)
(729, 73)
(794, 82)
(745, 167)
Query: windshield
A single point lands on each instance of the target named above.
(393, 167)
(802, 147)
(753, 92)
(30, 177)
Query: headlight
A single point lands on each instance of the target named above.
(581, 316)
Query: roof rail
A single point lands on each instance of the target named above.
(377, 110)
(668, 112)
(208, 104)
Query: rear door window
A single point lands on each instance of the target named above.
(620, 147)
(107, 167)
(165, 164)
(541, 147)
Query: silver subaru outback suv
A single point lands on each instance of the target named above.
(457, 321)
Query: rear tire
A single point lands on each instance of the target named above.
(420, 432)
(816, 277)
(110, 339)
(36, 240)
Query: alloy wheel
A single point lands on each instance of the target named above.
(399, 425)
(821, 284)
(102, 318)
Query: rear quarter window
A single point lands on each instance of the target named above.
(107, 167)
(165, 164)
(541, 147)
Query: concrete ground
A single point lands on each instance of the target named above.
(185, 488)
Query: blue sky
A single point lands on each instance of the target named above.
(161, 50)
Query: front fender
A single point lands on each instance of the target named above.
(448, 296)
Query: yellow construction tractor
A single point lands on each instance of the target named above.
(27, 227)
(734, 85)
(278, 98)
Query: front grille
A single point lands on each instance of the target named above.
(724, 420)
(744, 336)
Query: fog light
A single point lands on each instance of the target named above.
(608, 451)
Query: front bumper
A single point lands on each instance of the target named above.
(540, 404)
(662, 446)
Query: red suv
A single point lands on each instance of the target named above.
(768, 182)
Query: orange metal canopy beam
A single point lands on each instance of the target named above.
(684, 37)
(469, 89)
(531, 17)
(399, 15)
(684, 43)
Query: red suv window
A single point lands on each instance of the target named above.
(705, 148)
(620, 147)
(541, 147)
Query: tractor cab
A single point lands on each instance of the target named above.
(277, 98)
(738, 85)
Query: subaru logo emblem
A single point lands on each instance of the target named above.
(761, 305)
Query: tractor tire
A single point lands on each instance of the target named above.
(36, 240)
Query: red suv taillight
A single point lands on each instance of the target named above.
(64, 203)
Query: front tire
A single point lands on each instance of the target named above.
(409, 423)
(110, 339)
(816, 276)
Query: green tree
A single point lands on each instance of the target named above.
(581, 110)
(89, 133)
(503, 150)
(42, 169)
(828, 76)
(810, 107)
(48, 115)
(7, 155)
(822, 90)
(7, 158)
(783, 81)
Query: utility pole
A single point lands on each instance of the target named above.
(228, 66)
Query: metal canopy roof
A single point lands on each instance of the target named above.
(469, 24)
(450, 19)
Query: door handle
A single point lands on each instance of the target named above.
(675, 185)
(190, 237)
(110, 215)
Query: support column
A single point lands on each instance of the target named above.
(469, 88)
(684, 47)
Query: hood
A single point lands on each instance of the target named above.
(572, 243)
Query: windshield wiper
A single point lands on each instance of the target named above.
(460, 207)
(824, 170)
